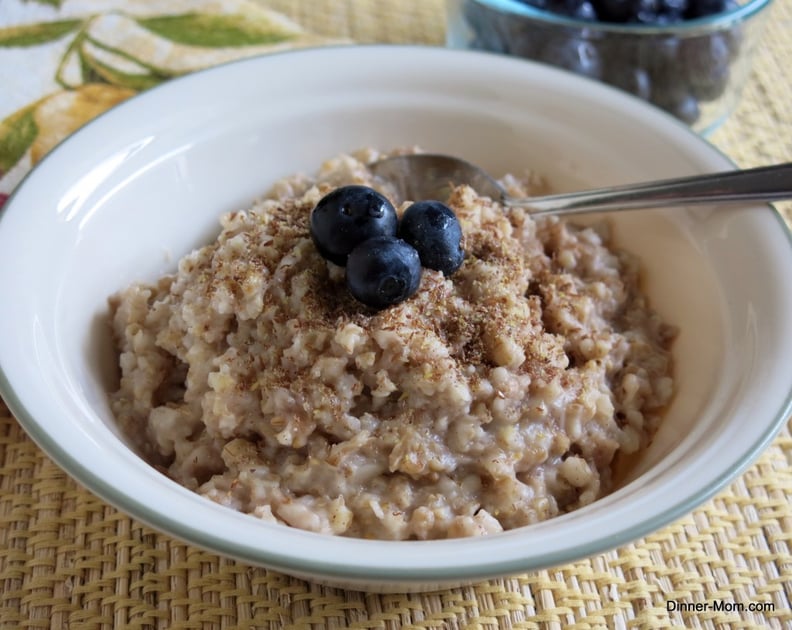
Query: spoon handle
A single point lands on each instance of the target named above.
(766, 183)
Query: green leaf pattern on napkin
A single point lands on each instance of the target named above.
(195, 29)
(52, 3)
(100, 71)
(17, 133)
(117, 50)
(35, 34)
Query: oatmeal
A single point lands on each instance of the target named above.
(492, 398)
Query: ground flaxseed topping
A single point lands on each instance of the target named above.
(490, 399)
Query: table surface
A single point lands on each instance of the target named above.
(67, 559)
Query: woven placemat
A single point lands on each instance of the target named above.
(68, 560)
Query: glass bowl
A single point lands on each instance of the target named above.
(694, 69)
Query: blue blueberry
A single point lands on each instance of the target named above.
(644, 11)
(580, 9)
(678, 102)
(630, 79)
(614, 10)
(578, 56)
(670, 11)
(348, 216)
(705, 62)
(433, 230)
(383, 271)
(703, 8)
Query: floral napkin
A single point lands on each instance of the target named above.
(62, 62)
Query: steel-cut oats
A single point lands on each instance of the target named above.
(492, 399)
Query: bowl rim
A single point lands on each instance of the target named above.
(685, 28)
(482, 568)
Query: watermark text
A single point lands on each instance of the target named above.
(719, 605)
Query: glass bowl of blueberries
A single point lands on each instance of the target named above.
(688, 57)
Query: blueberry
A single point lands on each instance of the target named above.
(668, 17)
(678, 102)
(580, 9)
(644, 11)
(705, 61)
(670, 11)
(347, 216)
(703, 8)
(383, 271)
(433, 230)
(631, 79)
(526, 40)
(614, 10)
(578, 56)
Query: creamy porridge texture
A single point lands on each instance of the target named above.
(491, 399)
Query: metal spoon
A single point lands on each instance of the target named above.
(430, 176)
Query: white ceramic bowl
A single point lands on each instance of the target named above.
(129, 194)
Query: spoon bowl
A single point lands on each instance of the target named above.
(432, 176)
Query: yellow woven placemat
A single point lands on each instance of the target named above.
(68, 560)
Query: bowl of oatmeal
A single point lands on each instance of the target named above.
(194, 359)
